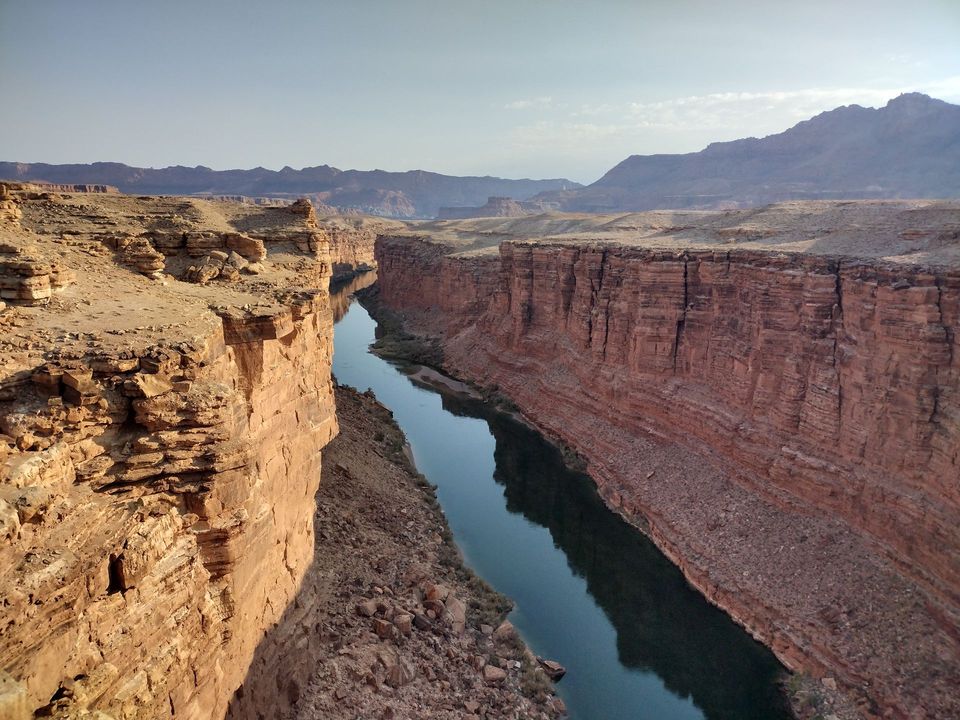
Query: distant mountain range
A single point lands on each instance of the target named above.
(413, 194)
(909, 148)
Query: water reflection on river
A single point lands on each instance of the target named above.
(590, 591)
(341, 292)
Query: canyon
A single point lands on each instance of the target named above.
(351, 241)
(771, 395)
(326, 394)
(187, 498)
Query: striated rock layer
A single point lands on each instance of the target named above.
(785, 426)
(351, 242)
(160, 438)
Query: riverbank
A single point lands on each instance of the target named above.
(405, 629)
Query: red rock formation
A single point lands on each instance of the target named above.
(825, 388)
(35, 189)
(191, 505)
(158, 466)
(10, 212)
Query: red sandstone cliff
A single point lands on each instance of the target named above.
(785, 426)
(159, 449)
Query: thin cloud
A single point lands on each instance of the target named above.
(547, 133)
(741, 109)
(594, 110)
(726, 114)
(538, 102)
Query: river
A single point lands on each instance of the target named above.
(591, 591)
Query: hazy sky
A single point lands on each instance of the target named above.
(518, 88)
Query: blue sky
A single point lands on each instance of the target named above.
(525, 88)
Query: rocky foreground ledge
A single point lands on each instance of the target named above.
(771, 395)
(164, 392)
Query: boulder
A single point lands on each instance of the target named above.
(383, 628)
(436, 592)
(400, 674)
(252, 249)
(146, 386)
(367, 608)
(403, 623)
(552, 668)
(493, 675)
(504, 632)
(456, 614)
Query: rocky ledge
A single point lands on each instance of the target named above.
(165, 392)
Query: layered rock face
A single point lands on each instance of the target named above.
(37, 188)
(159, 454)
(785, 426)
(351, 242)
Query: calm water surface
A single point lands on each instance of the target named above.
(591, 592)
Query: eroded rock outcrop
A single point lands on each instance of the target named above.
(785, 426)
(494, 207)
(159, 454)
(9, 206)
(498, 207)
(28, 278)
